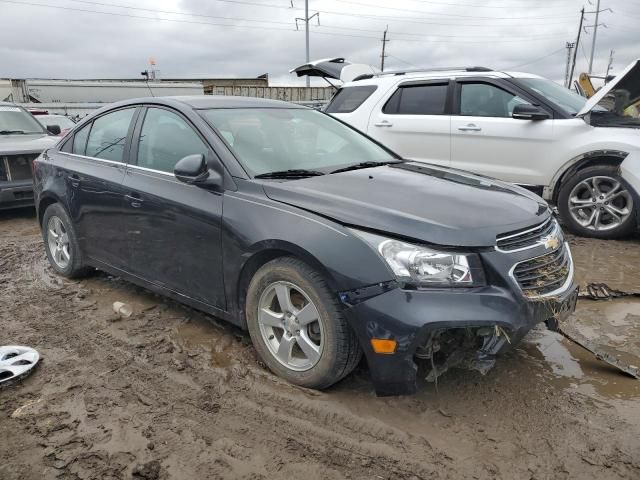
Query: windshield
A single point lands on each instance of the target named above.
(277, 139)
(16, 119)
(561, 96)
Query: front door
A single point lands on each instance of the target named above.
(174, 229)
(414, 122)
(485, 138)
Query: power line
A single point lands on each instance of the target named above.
(428, 38)
(536, 60)
(546, 7)
(362, 4)
(382, 18)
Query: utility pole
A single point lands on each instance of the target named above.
(575, 50)
(595, 31)
(609, 65)
(384, 44)
(306, 20)
(593, 40)
(570, 47)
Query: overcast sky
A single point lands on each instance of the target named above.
(227, 38)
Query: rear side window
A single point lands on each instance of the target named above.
(348, 99)
(418, 100)
(109, 134)
(80, 140)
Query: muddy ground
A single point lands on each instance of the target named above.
(171, 393)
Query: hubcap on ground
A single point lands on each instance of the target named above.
(600, 203)
(290, 326)
(58, 241)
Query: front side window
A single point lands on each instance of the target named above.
(80, 140)
(348, 99)
(16, 120)
(275, 139)
(109, 135)
(561, 96)
(484, 100)
(166, 138)
(418, 100)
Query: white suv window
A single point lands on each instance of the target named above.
(418, 100)
(485, 100)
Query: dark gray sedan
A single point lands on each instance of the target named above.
(320, 241)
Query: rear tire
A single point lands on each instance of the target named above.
(306, 341)
(595, 202)
(61, 243)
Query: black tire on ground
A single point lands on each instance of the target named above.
(341, 351)
(75, 267)
(623, 229)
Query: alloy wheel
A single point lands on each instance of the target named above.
(600, 203)
(291, 326)
(58, 242)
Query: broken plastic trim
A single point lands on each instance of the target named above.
(353, 297)
(473, 348)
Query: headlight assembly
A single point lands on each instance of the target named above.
(424, 267)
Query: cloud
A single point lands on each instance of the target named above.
(62, 42)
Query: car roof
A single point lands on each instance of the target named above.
(212, 101)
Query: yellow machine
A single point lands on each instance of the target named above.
(584, 80)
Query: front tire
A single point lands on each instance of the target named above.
(297, 326)
(596, 202)
(61, 243)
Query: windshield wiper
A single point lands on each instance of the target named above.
(358, 166)
(292, 173)
(9, 132)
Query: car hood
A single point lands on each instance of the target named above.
(619, 94)
(19, 143)
(433, 204)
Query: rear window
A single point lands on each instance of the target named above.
(418, 100)
(349, 99)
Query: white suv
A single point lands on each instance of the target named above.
(581, 155)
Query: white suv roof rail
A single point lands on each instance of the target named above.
(425, 70)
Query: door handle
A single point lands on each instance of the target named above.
(134, 200)
(74, 180)
(384, 123)
(470, 128)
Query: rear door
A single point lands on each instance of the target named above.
(485, 138)
(174, 229)
(94, 171)
(414, 121)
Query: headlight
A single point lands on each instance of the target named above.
(425, 267)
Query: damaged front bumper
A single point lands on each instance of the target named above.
(496, 317)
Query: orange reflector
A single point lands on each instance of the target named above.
(381, 345)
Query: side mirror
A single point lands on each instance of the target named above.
(54, 129)
(525, 111)
(193, 169)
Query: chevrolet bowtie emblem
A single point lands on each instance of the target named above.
(551, 242)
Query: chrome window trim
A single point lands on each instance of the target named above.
(124, 164)
(555, 231)
(560, 290)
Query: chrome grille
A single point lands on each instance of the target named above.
(543, 275)
(527, 238)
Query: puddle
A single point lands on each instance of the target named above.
(572, 367)
(200, 334)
